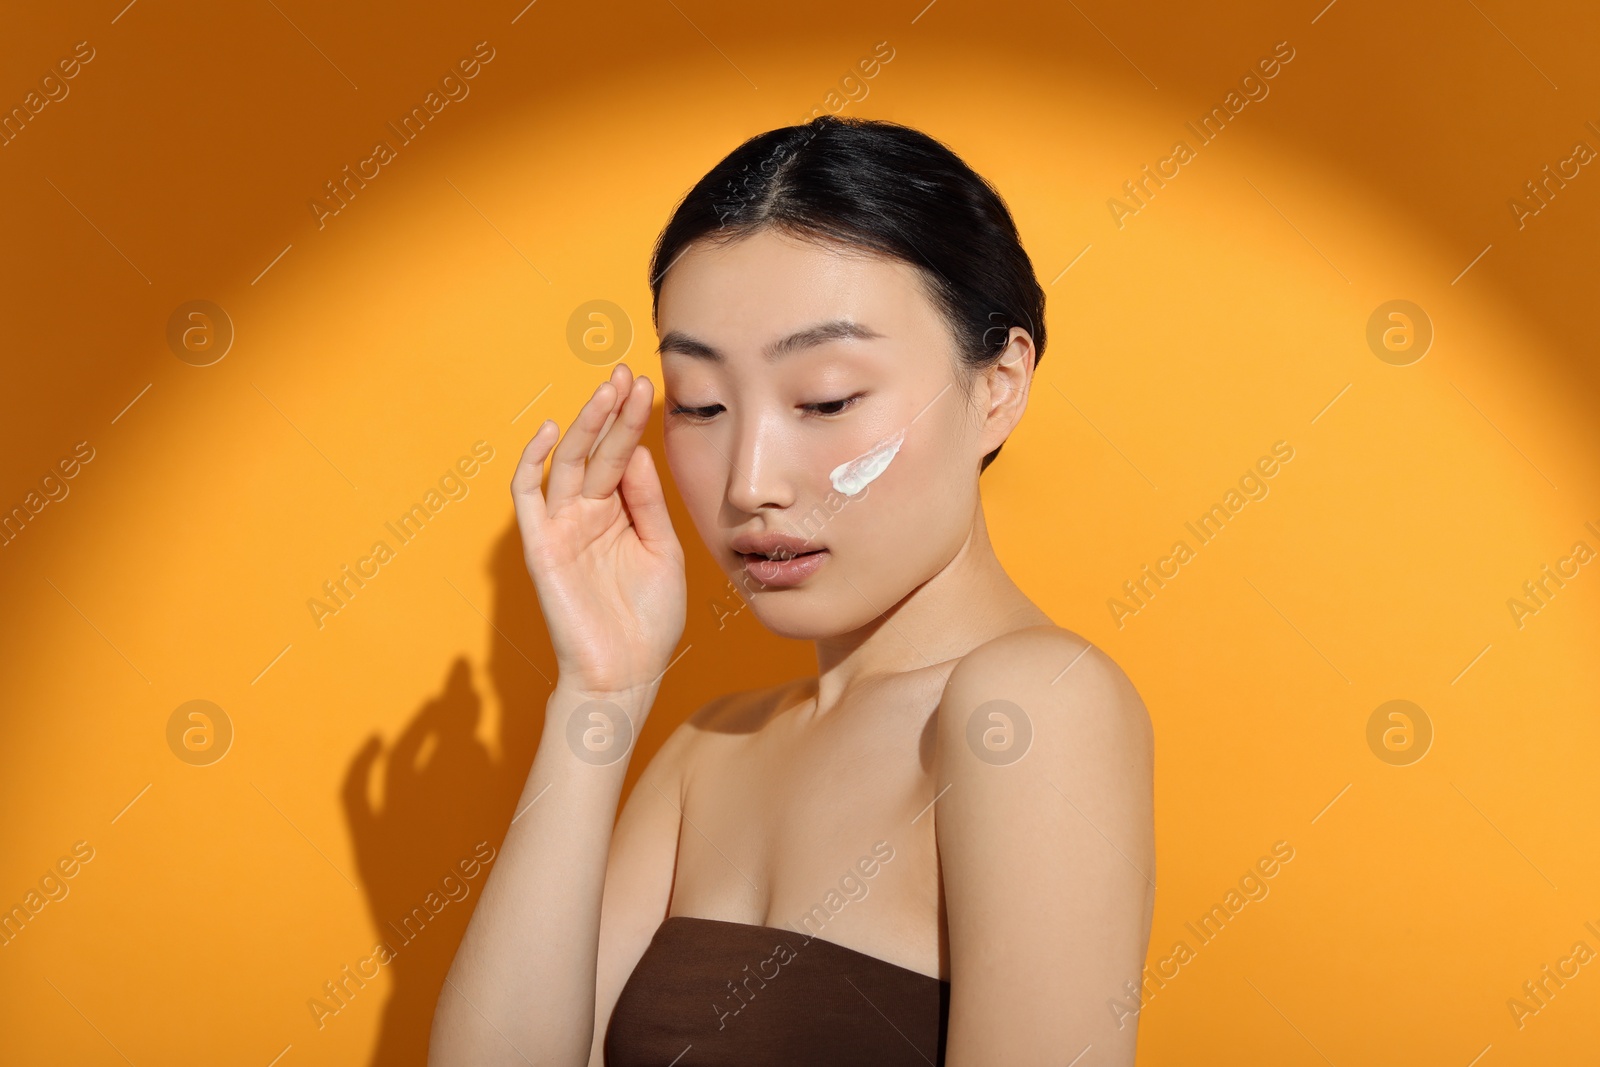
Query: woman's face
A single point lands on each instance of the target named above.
(761, 435)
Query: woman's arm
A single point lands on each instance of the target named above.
(1048, 858)
(522, 987)
(609, 574)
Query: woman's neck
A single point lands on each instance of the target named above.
(971, 600)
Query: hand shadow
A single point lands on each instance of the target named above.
(443, 793)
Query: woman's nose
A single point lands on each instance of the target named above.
(761, 461)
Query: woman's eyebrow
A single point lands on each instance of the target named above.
(809, 337)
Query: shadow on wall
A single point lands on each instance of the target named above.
(443, 792)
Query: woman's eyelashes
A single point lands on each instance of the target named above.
(694, 413)
(822, 408)
(838, 406)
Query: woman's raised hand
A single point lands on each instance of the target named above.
(599, 545)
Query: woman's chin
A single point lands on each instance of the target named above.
(801, 616)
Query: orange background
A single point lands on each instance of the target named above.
(1224, 316)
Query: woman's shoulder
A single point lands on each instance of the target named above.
(1046, 667)
(691, 748)
(1022, 647)
(745, 710)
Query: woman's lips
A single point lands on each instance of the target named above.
(783, 573)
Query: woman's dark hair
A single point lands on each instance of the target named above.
(882, 187)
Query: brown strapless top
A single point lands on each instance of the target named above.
(708, 993)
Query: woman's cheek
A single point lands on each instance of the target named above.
(852, 477)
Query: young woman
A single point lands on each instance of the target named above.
(940, 848)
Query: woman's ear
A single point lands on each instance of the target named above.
(1004, 395)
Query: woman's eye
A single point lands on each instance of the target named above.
(697, 413)
(835, 406)
(822, 408)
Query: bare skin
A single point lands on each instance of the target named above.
(1026, 881)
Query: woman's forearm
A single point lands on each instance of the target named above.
(522, 986)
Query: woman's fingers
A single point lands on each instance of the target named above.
(611, 455)
(621, 381)
(566, 466)
(525, 494)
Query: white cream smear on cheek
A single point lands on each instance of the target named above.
(855, 475)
